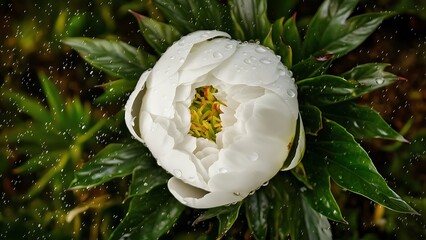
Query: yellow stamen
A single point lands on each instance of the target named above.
(205, 114)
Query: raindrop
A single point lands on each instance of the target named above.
(237, 193)
(282, 72)
(229, 46)
(265, 60)
(260, 49)
(181, 60)
(380, 80)
(181, 42)
(253, 156)
(177, 173)
(133, 121)
(145, 184)
(217, 55)
(252, 192)
(250, 60)
(291, 93)
(223, 170)
(265, 183)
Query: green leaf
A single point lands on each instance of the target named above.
(331, 31)
(320, 197)
(350, 166)
(192, 15)
(312, 119)
(114, 57)
(317, 226)
(292, 216)
(144, 180)
(370, 76)
(274, 41)
(115, 91)
(56, 105)
(325, 90)
(115, 160)
(291, 37)
(27, 105)
(257, 211)
(39, 162)
(157, 34)
(249, 18)
(312, 66)
(360, 121)
(227, 215)
(149, 216)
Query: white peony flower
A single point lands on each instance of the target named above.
(221, 116)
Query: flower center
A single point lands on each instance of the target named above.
(205, 110)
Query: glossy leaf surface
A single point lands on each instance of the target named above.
(114, 57)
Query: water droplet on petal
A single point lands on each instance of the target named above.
(252, 192)
(217, 55)
(229, 46)
(172, 57)
(181, 42)
(260, 49)
(181, 60)
(265, 60)
(133, 121)
(237, 193)
(177, 173)
(223, 170)
(253, 156)
(291, 93)
(265, 183)
(282, 72)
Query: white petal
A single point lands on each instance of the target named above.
(209, 53)
(133, 107)
(253, 159)
(158, 100)
(155, 134)
(251, 65)
(198, 198)
(176, 55)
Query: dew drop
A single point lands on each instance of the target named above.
(282, 73)
(217, 55)
(291, 93)
(223, 170)
(181, 42)
(380, 80)
(252, 192)
(260, 49)
(253, 156)
(145, 184)
(172, 57)
(177, 173)
(265, 60)
(133, 121)
(229, 46)
(181, 60)
(265, 183)
(237, 193)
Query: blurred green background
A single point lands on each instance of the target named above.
(50, 123)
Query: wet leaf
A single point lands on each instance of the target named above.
(192, 15)
(227, 216)
(157, 34)
(278, 9)
(26, 105)
(257, 208)
(361, 121)
(39, 162)
(144, 180)
(292, 216)
(331, 31)
(149, 216)
(114, 57)
(320, 197)
(312, 66)
(370, 76)
(349, 165)
(249, 19)
(115, 160)
(291, 37)
(115, 90)
(56, 104)
(312, 119)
